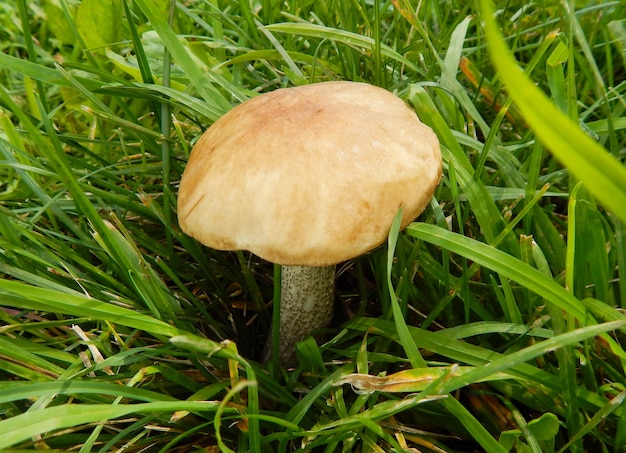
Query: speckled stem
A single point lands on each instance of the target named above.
(306, 304)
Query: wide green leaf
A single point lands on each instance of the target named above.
(99, 22)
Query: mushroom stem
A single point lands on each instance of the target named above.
(306, 304)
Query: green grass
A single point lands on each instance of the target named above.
(495, 323)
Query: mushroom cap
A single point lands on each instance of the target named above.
(310, 175)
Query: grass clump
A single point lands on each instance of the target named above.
(494, 324)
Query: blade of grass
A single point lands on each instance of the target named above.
(28, 425)
(342, 36)
(472, 425)
(151, 290)
(484, 207)
(281, 50)
(144, 278)
(555, 343)
(39, 72)
(166, 126)
(32, 184)
(449, 71)
(563, 322)
(601, 172)
(14, 391)
(32, 55)
(502, 263)
(594, 421)
(200, 79)
(228, 348)
(410, 348)
(21, 295)
(512, 268)
(142, 60)
(544, 384)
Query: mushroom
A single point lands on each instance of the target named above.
(308, 177)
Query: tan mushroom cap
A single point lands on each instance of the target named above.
(311, 175)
